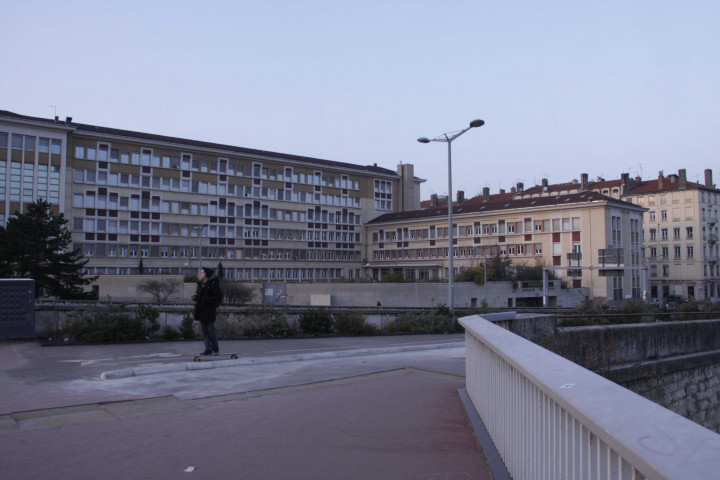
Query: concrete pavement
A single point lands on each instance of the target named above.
(370, 407)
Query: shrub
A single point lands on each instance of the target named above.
(395, 277)
(112, 323)
(436, 321)
(149, 318)
(187, 327)
(353, 323)
(170, 332)
(268, 325)
(316, 321)
(227, 326)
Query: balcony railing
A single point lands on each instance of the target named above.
(549, 418)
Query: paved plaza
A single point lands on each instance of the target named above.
(383, 407)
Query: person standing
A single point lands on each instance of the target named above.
(208, 297)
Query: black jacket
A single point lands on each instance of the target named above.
(207, 298)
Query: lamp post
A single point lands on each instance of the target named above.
(448, 138)
(199, 229)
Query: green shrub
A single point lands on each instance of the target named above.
(111, 323)
(187, 327)
(316, 321)
(435, 321)
(353, 323)
(267, 325)
(395, 277)
(149, 317)
(227, 326)
(170, 332)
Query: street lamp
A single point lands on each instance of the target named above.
(448, 138)
(199, 229)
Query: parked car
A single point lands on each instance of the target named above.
(674, 300)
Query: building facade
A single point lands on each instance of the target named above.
(571, 232)
(165, 205)
(680, 230)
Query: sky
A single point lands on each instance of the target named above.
(565, 87)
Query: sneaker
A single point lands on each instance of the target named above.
(206, 353)
(215, 354)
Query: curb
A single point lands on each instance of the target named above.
(206, 365)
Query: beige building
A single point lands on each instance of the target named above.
(175, 203)
(569, 227)
(680, 230)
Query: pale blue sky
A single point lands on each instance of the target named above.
(565, 87)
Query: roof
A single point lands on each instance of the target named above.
(80, 128)
(503, 202)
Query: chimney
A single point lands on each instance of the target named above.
(502, 190)
(708, 178)
(544, 182)
(486, 194)
(433, 200)
(512, 190)
(520, 187)
(683, 179)
(661, 181)
(583, 180)
(625, 182)
(460, 197)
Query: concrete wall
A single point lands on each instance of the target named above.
(400, 295)
(675, 364)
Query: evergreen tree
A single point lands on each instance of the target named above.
(141, 268)
(35, 245)
(220, 271)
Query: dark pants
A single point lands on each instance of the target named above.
(210, 337)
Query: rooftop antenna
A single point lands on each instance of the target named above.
(55, 109)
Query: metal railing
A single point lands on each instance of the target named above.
(552, 419)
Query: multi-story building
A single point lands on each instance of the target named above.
(680, 230)
(589, 239)
(172, 202)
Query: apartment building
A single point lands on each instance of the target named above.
(176, 203)
(589, 239)
(680, 231)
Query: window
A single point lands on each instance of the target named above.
(653, 234)
(664, 233)
(690, 251)
(689, 232)
(665, 252)
(677, 251)
(653, 252)
(663, 215)
(652, 216)
(666, 270)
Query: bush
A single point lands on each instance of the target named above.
(353, 323)
(187, 327)
(316, 321)
(113, 323)
(149, 317)
(170, 333)
(268, 325)
(395, 277)
(436, 321)
(227, 326)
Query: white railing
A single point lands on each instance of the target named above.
(551, 419)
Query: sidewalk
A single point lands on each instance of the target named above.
(373, 416)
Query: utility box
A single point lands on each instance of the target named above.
(17, 308)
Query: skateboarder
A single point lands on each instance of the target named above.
(207, 298)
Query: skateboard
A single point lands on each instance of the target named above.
(209, 358)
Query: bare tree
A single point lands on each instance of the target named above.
(160, 289)
(237, 293)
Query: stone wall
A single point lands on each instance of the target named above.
(675, 364)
